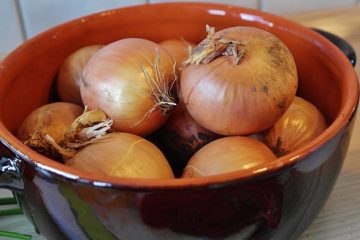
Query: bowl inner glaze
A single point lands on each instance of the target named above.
(27, 75)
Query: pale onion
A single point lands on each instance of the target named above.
(239, 81)
(133, 81)
(51, 119)
(122, 155)
(228, 154)
(70, 73)
(301, 123)
(179, 49)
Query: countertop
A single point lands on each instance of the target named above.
(340, 217)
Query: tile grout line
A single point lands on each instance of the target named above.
(260, 5)
(20, 16)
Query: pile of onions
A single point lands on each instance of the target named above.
(234, 108)
(51, 119)
(70, 73)
(239, 81)
(133, 81)
(301, 123)
(122, 155)
(228, 154)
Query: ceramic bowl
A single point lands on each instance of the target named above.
(273, 201)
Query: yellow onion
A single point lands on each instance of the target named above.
(70, 73)
(133, 81)
(301, 123)
(122, 155)
(179, 49)
(239, 80)
(228, 154)
(52, 119)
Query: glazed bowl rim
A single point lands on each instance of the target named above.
(67, 173)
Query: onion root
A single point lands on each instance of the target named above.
(162, 93)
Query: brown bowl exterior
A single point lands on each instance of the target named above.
(276, 201)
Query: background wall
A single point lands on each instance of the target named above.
(22, 19)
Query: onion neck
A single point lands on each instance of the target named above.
(213, 47)
(90, 127)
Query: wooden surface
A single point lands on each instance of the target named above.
(340, 218)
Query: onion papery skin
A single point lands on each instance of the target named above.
(301, 123)
(178, 49)
(123, 155)
(243, 98)
(114, 81)
(180, 137)
(53, 119)
(70, 74)
(228, 154)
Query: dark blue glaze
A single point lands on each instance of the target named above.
(341, 43)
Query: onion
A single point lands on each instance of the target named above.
(179, 49)
(228, 154)
(239, 81)
(52, 119)
(86, 129)
(180, 137)
(70, 73)
(122, 155)
(133, 81)
(301, 123)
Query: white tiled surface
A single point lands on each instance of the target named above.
(292, 6)
(34, 16)
(243, 3)
(42, 14)
(10, 30)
